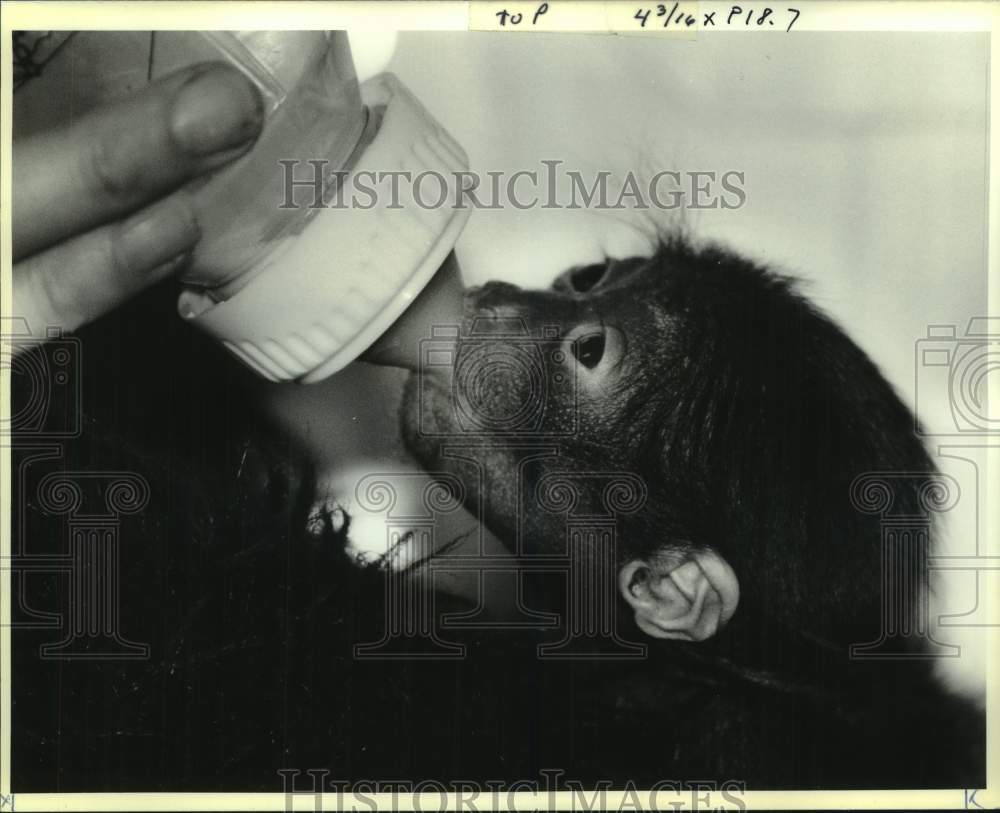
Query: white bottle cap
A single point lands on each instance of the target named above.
(322, 296)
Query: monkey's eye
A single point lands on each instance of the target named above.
(598, 349)
(589, 350)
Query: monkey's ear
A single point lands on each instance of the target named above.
(687, 598)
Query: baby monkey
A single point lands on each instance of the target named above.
(744, 412)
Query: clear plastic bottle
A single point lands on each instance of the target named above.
(293, 289)
(314, 113)
(312, 104)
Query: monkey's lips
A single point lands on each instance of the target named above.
(424, 414)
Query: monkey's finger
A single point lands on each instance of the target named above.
(80, 279)
(118, 158)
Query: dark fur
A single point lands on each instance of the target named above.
(252, 621)
(747, 413)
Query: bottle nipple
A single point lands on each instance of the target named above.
(437, 306)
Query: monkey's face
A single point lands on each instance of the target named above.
(542, 383)
(705, 385)
(557, 404)
(699, 385)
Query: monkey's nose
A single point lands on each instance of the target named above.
(580, 279)
(493, 294)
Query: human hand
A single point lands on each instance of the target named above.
(98, 213)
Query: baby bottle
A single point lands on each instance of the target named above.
(299, 269)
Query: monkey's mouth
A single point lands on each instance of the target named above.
(430, 384)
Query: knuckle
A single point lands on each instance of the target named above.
(119, 262)
(56, 300)
(108, 171)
